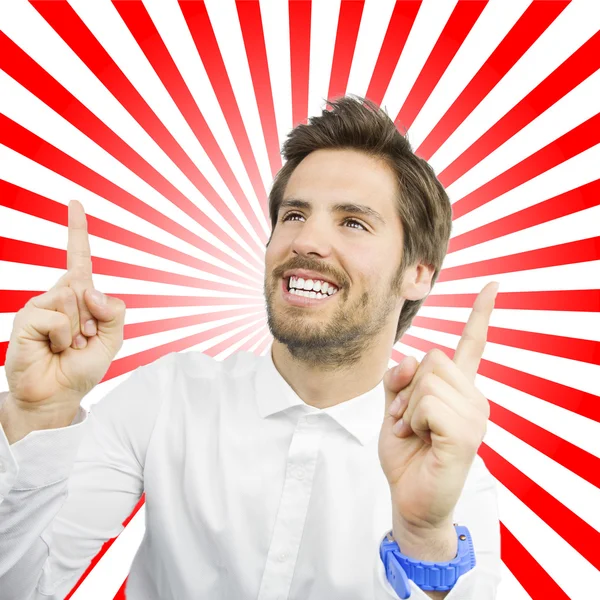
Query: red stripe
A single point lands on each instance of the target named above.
(561, 254)
(31, 203)
(67, 23)
(401, 22)
(256, 51)
(458, 26)
(345, 44)
(566, 300)
(577, 68)
(105, 548)
(577, 401)
(530, 574)
(120, 366)
(533, 22)
(570, 202)
(44, 256)
(142, 28)
(567, 146)
(299, 15)
(15, 300)
(572, 528)
(33, 147)
(554, 345)
(202, 33)
(580, 462)
(135, 330)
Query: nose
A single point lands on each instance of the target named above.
(312, 238)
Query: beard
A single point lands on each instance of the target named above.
(338, 341)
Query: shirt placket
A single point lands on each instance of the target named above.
(293, 507)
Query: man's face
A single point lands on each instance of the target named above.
(359, 253)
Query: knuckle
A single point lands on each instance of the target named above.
(66, 295)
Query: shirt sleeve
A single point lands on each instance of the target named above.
(64, 492)
(477, 509)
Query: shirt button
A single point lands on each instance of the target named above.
(282, 557)
(299, 473)
(2, 467)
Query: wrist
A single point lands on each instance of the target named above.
(429, 543)
(18, 419)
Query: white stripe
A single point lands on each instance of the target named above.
(105, 579)
(575, 575)
(496, 20)
(276, 27)
(431, 20)
(579, 325)
(510, 588)
(226, 24)
(577, 23)
(171, 25)
(323, 28)
(373, 26)
(566, 176)
(572, 373)
(570, 489)
(576, 276)
(571, 228)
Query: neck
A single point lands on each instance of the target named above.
(325, 387)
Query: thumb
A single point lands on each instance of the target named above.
(398, 377)
(109, 312)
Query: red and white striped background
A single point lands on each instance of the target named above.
(166, 120)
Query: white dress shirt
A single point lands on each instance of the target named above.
(251, 494)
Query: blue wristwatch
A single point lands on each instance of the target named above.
(429, 576)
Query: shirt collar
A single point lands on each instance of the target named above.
(361, 416)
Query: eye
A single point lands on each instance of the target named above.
(290, 214)
(355, 221)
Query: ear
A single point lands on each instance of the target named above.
(416, 283)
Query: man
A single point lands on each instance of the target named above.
(266, 477)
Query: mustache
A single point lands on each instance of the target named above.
(310, 265)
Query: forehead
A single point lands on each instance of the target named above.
(330, 176)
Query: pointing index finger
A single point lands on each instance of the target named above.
(78, 247)
(474, 336)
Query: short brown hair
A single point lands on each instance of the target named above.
(423, 205)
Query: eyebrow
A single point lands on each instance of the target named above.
(347, 207)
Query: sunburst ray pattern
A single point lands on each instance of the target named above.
(166, 120)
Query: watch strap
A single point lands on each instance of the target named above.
(427, 575)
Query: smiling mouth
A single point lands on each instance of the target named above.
(309, 288)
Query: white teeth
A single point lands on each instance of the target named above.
(309, 285)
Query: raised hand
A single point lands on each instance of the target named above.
(50, 365)
(434, 423)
